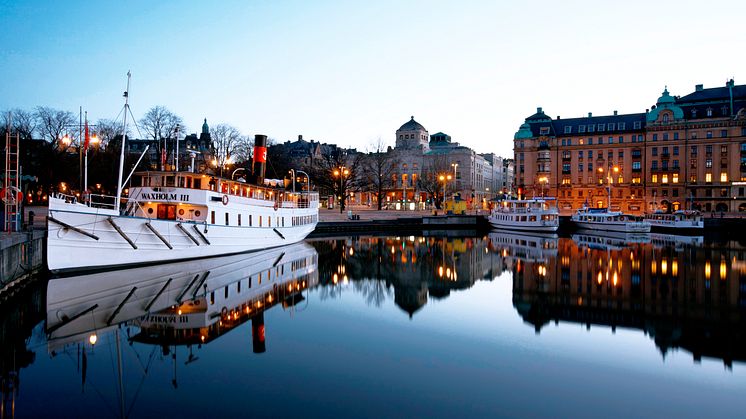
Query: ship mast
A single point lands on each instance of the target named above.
(124, 136)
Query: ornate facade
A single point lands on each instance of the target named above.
(684, 153)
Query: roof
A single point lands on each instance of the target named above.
(412, 125)
(714, 94)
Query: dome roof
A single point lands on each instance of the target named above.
(665, 97)
(523, 132)
(205, 128)
(412, 125)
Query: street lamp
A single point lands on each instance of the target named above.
(543, 181)
(455, 166)
(341, 172)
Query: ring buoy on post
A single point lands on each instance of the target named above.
(225, 199)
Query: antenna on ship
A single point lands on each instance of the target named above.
(124, 137)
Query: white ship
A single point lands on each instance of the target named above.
(690, 222)
(604, 220)
(538, 215)
(172, 216)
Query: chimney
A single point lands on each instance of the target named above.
(590, 114)
(699, 88)
(615, 112)
(260, 158)
(300, 137)
(538, 110)
(558, 117)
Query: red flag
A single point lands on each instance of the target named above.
(87, 137)
(163, 157)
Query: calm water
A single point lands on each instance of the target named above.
(501, 325)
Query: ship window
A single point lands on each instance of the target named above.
(197, 183)
(238, 287)
(260, 221)
(226, 218)
(150, 210)
(212, 217)
(197, 213)
(239, 220)
(250, 220)
(212, 297)
(226, 291)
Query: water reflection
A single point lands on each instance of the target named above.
(681, 293)
(411, 268)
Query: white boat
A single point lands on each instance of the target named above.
(173, 216)
(604, 220)
(677, 222)
(196, 293)
(538, 214)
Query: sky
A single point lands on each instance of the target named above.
(350, 72)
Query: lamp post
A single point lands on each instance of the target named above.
(611, 169)
(455, 166)
(543, 181)
(341, 172)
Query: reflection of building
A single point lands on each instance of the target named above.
(688, 297)
(684, 152)
(418, 268)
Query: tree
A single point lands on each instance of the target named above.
(435, 175)
(107, 130)
(225, 142)
(379, 166)
(161, 125)
(52, 124)
(337, 171)
(23, 123)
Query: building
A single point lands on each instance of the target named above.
(474, 177)
(683, 153)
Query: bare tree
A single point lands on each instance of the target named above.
(244, 149)
(226, 140)
(337, 171)
(160, 124)
(52, 124)
(107, 130)
(434, 177)
(379, 166)
(23, 123)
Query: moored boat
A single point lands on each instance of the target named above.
(172, 216)
(604, 220)
(689, 222)
(538, 214)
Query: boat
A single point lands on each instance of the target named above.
(176, 215)
(537, 214)
(689, 222)
(604, 220)
(180, 295)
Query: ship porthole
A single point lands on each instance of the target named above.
(181, 211)
(197, 213)
(150, 210)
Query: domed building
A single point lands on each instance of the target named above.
(412, 136)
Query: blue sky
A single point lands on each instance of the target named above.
(350, 72)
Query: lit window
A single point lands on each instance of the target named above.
(621, 179)
(664, 178)
(723, 177)
(675, 178)
(708, 177)
(654, 179)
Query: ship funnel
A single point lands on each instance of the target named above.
(260, 158)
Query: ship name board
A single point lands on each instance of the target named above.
(162, 196)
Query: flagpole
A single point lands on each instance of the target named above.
(118, 198)
(85, 173)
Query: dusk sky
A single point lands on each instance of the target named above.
(350, 72)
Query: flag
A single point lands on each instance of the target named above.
(87, 137)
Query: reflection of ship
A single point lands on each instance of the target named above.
(194, 294)
(613, 240)
(669, 240)
(526, 247)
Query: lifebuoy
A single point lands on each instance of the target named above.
(225, 199)
(276, 206)
(224, 311)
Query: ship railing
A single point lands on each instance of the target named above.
(297, 199)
